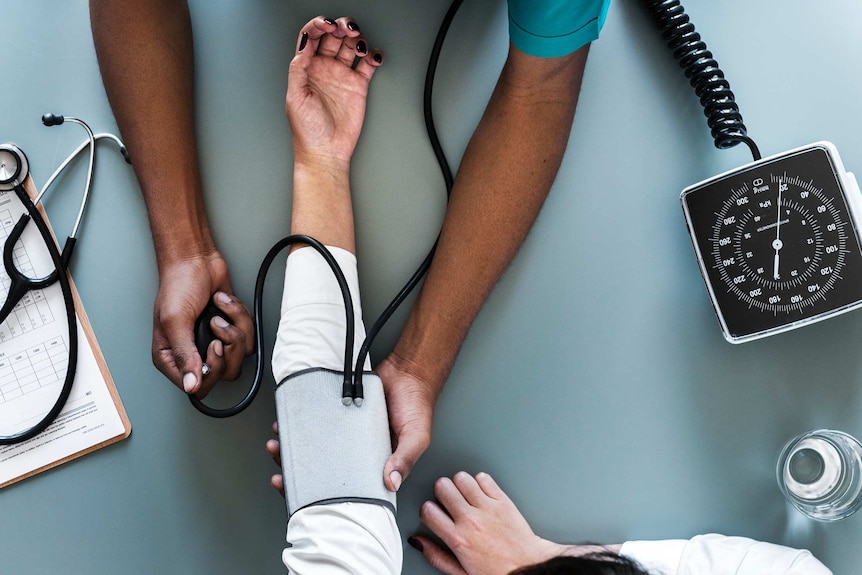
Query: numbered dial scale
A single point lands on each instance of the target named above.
(777, 241)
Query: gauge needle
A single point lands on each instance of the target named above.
(777, 244)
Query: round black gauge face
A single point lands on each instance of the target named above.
(777, 244)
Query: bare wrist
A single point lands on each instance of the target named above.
(427, 370)
(428, 345)
(544, 550)
(181, 240)
(178, 221)
(317, 164)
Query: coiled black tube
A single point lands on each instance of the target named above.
(703, 73)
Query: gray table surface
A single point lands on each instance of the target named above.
(594, 385)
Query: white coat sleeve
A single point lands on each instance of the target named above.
(721, 555)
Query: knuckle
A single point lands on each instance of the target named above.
(425, 510)
(181, 357)
(436, 561)
(423, 442)
(163, 368)
(412, 448)
(159, 360)
(237, 336)
(231, 365)
(250, 346)
(458, 544)
(408, 463)
(170, 318)
(472, 525)
(231, 373)
(232, 303)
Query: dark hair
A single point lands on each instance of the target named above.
(604, 563)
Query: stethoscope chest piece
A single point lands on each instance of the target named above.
(14, 167)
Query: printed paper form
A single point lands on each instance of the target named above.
(33, 363)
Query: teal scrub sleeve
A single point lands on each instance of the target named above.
(553, 28)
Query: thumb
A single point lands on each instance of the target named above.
(189, 369)
(185, 357)
(301, 59)
(411, 442)
(436, 556)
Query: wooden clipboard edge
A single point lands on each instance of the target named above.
(87, 328)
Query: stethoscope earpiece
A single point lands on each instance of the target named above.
(53, 119)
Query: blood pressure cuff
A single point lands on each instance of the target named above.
(553, 28)
(332, 453)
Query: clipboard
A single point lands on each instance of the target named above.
(94, 416)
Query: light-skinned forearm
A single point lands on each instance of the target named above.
(146, 57)
(322, 207)
(504, 178)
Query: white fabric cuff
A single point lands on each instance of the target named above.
(659, 557)
(331, 452)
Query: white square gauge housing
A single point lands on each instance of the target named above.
(777, 241)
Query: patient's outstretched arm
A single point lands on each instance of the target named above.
(337, 523)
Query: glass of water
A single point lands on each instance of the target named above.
(820, 473)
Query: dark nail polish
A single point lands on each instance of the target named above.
(361, 47)
(378, 57)
(352, 26)
(415, 543)
(303, 41)
(329, 20)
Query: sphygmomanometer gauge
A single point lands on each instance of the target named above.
(777, 241)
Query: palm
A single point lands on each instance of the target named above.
(326, 107)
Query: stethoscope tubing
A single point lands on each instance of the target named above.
(74, 154)
(20, 283)
(71, 319)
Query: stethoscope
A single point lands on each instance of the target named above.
(14, 169)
